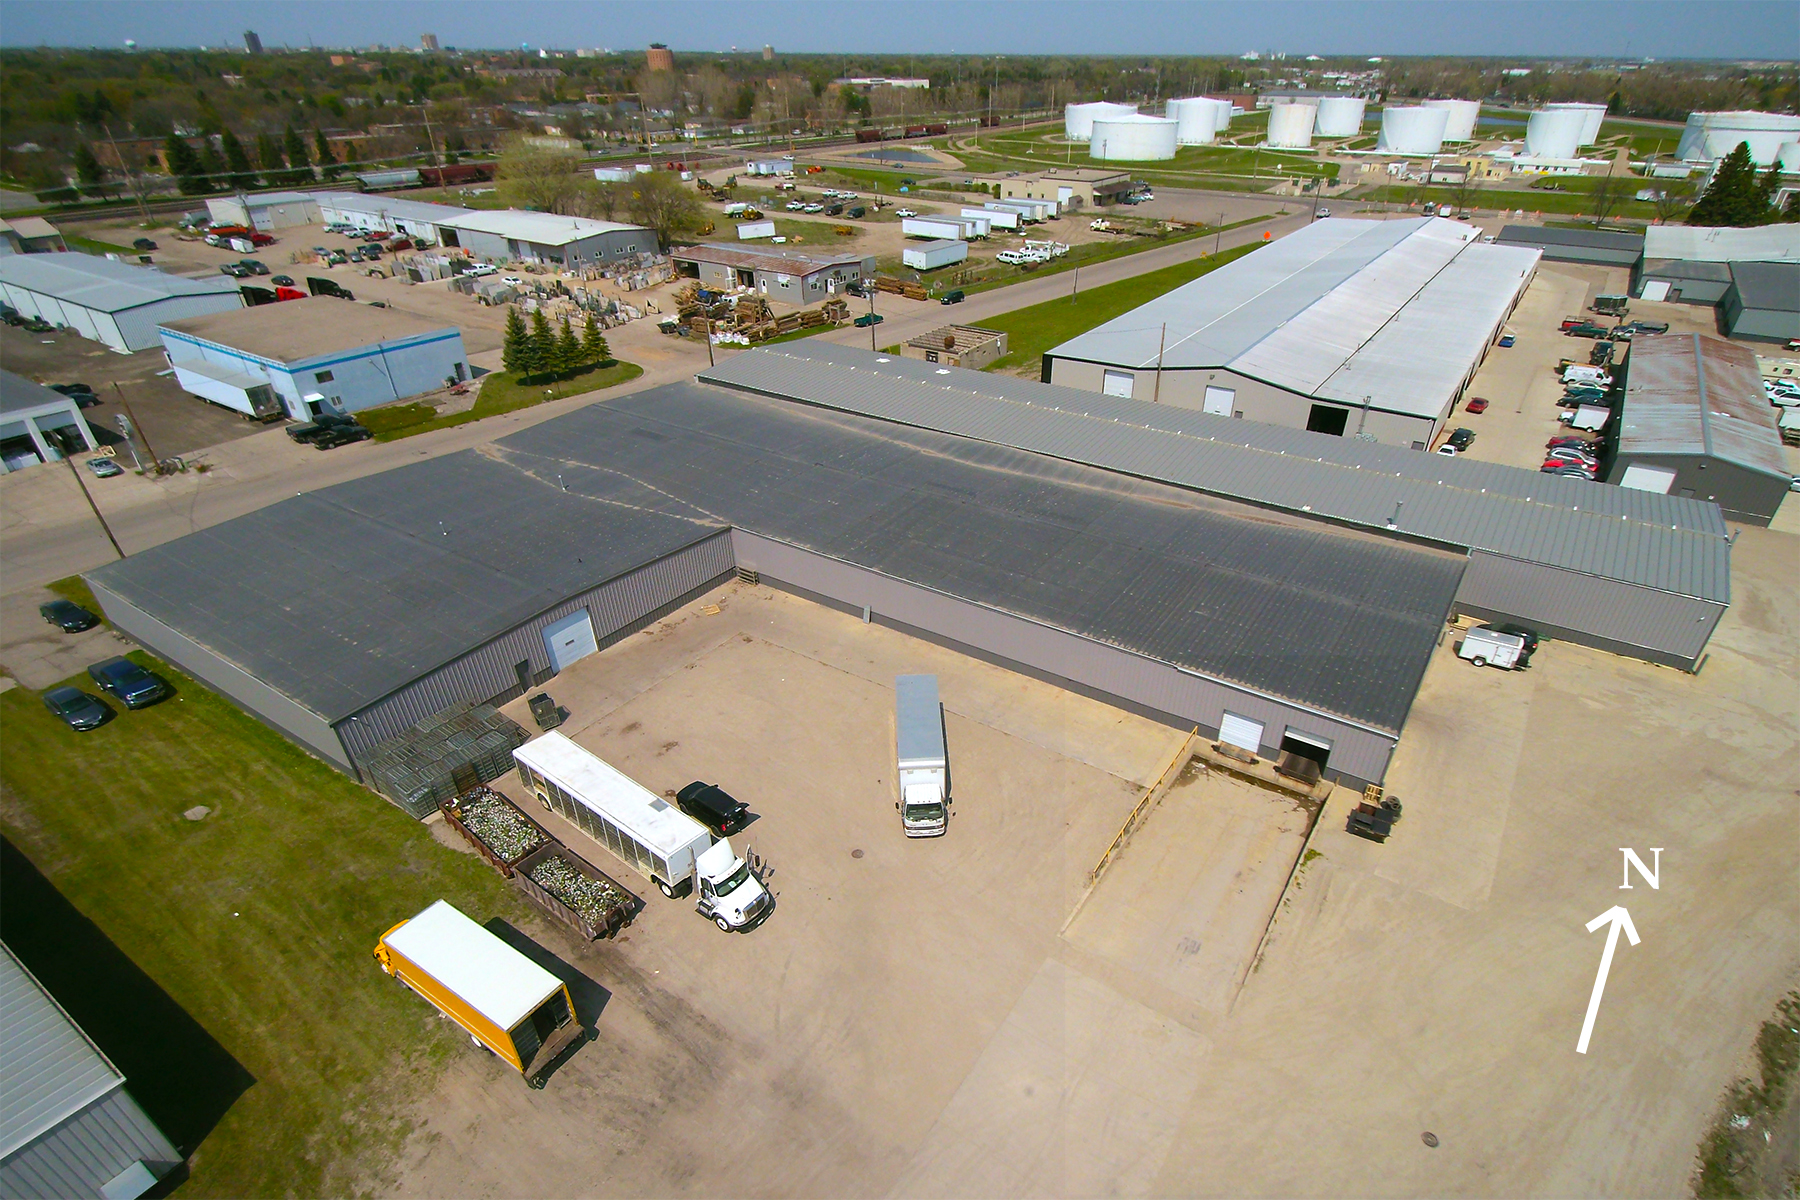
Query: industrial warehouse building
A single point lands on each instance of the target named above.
(309, 355)
(1365, 328)
(1577, 245)
(1070, 188)
(419, 220)
(1763, 301)
(774, 272)
(1692, 264)
(510, 234)
(1695, 422)
(31, 418)
(68, 1128)
(1295, 590)
(30, 235)
(267, 211)
(114, 303)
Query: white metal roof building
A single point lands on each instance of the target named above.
(115, 303)
(67, 1126)
(29, 411)
(1345, 327)
(267, 211)
(512, 234)
(417, 219)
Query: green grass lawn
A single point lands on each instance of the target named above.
(989, 275)
(1567, 203)
(1031, 331)
(257, 921)
(501, 392)
(96, 246)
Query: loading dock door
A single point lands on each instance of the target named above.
(570, 639)
(1326, 418)
(1218, 402)
(1306, 745)
(1117, 383)
(1241, 732)
(1648, 479)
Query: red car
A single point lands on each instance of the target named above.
(261, 239)
(1580, 443)
(1478, 405)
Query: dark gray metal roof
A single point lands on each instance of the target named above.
(1332, 620)
(1591, 239)
(340, 596)
(1701, 396)
(1681, 268)
(52, 1070)
(1773, 286)
(1666, 542)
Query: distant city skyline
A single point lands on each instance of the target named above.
(1726, 29)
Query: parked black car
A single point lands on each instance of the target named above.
(68, 616)
(143, 244)
(318, 427)
(341, 435)
(128, 682)
(77, 709)
(710, 805)
(953, 297)
(1461, 439)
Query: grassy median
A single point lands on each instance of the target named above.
(255, 925)
(501, 392)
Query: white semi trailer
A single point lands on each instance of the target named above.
(645, 831)
(924, 766)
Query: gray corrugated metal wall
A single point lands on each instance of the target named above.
(1741, 494)
(251, 693)
(82, 1153)
(1619, 617)
(1359, 754)
(488, 671)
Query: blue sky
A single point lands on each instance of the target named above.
(1659, 28)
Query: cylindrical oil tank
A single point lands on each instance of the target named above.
(1196, 120)
(1132, 138)
(1291, 125)
(1340, 116)
(1078, 119)
(1412, 129)
(1460, 127)
(1591, 116)
(1713, 135)
(1554, 133)
(1222, 121)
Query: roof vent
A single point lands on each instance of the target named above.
(659, 805)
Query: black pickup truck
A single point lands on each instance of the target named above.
(320, 426)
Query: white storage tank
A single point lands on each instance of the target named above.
(1460, 127)
(1591, 116)
(1078, 119)
(1132, 138)
(1340, 116)
(1291, 125)
(1713, 135)
(1554, 133)
(1223, 121)
(1196, 120)
(1412, 129)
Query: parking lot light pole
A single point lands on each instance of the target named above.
(155, 463)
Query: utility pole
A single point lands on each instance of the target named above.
(130, 183)
(709, 349)
(1218, 232)
(871, 318)
(1156, 394)
(1076, 290)
(89, 497)
(155, 463)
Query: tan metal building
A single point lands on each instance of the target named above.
(1072, 187)
(958, 346)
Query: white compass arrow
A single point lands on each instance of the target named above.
(1620, 919)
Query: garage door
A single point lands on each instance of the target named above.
(1117, 383)
(1219, 400)
(1241, 732)
(570, 639)
(1648, 479)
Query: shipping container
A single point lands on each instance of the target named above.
(932, 255)
(503, 1001)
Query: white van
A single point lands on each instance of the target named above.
(1490, 648)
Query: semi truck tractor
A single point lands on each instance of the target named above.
(646, 832)
(924, 767)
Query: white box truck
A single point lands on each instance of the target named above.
(924, 767)
(645, 831)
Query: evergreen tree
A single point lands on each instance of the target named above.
(184, 165)
(1766, 191)
(268, 157)
(568, 350)
(540, 357)
(1791, 213)
(322, 152)
(514, 343)
(594, 350)
(351, 157)
(213, 165)
(1731, 197)
(240, 174)
(88, 172)
(299, 165)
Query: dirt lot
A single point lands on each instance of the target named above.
(926, 1019)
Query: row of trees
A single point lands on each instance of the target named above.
(538, 352)
(1737, 197)
(554, 181)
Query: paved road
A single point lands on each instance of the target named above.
(47, 531)
(906, 319)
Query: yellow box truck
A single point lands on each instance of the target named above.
(502, 999)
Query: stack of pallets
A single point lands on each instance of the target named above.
(420, 769)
